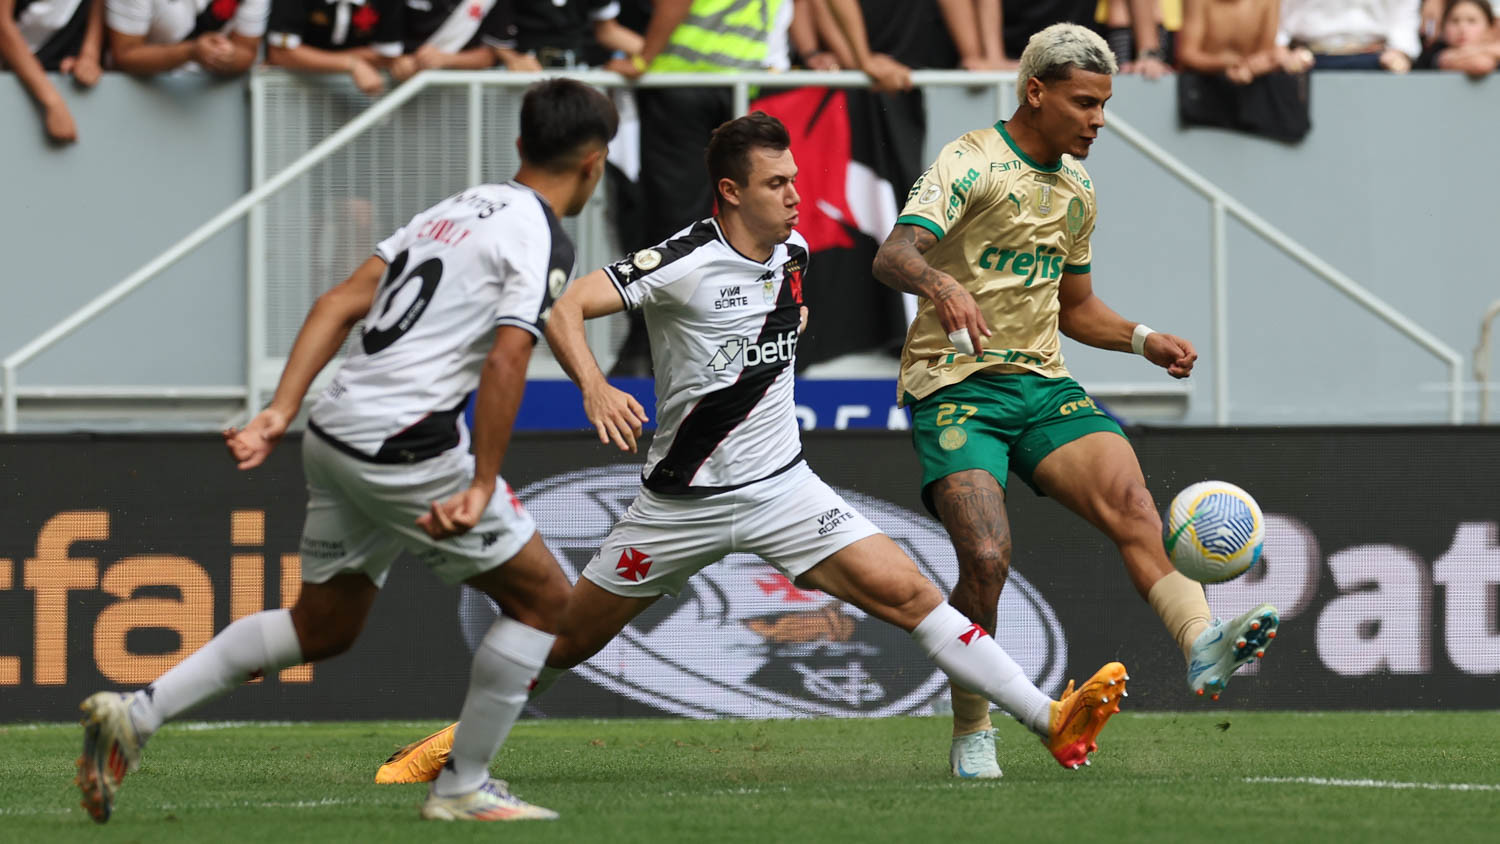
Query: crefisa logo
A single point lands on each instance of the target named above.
(741, 640)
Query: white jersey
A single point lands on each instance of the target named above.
(173, 21)
(723, 332)
(493, 255)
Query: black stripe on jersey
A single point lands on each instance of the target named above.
(625, 271)
(424, 439)
(429, 436)
(792, 270)
(721, 411)
(209, 20)
(66, 41)
(560, 261)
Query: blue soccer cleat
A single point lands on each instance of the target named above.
(1220, 650)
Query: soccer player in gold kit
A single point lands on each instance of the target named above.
(994, 239)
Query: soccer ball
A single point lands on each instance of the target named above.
(1213, 531)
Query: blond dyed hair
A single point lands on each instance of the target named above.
(1053, 53)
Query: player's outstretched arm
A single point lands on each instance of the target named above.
(1085, 318)
(322, 334)
(614, 413)
(900, 265)
(502, 382)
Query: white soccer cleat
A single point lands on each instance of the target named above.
(491, 802)
(1221, 649)
(973, 756)
(111, 749)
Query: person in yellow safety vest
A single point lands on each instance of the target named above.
(691, 36)
(713, 36)
(695, 36)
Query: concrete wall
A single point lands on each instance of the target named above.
(154, 160)
(1394, 187)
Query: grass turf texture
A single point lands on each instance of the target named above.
(1158, 777)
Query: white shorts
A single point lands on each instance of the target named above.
(792, 521)
(361, 515)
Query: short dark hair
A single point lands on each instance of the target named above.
(1483, 5)
(728, 154)
(560, 116)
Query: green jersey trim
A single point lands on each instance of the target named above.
(1010, 142)
(914, 220)
(1077, 269)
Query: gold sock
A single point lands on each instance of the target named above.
(1182, 607)
(971, 712)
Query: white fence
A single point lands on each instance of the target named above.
(321, 196)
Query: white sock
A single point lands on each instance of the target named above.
(505, 663)
(256, 644)
(973, 660)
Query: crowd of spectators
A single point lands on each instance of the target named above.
(372, 40)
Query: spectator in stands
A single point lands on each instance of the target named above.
(1433, 12)
(155, 36)
(915, 33)
(1025, 18)
(1236, 38)
(1353, 34)
(689, 36)
(568, 34)
(357, 37)
(1140, 33)
(63, 37)
(452, 35)
(1463, 43)
(841, 26)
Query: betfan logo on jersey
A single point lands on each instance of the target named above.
(741, 640)
(780, 350)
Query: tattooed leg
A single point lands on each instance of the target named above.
(972, 507)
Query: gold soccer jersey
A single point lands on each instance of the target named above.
(1007, 228)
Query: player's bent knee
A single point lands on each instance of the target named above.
(923, 600)
(1136, 516)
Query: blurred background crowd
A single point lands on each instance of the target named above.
(376, 42)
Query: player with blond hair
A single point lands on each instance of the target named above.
(995, 240)
(725, 471)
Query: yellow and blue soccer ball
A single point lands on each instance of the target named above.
(1214, 531)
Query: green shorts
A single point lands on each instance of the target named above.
(1001, 423)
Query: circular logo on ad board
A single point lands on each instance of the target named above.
(743, 641)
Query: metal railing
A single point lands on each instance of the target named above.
(1482, 361)
(1002, 83)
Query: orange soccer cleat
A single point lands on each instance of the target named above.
(1080, 715)
(419, 761)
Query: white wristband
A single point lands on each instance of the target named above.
(1138, 338)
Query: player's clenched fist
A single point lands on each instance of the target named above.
(1171, 353)
(457, 515)
(252, 444)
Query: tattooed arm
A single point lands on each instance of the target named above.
(900, 265)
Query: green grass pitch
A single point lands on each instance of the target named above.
(1205, 777)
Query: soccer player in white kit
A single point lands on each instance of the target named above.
(722, 301)
(454, 300)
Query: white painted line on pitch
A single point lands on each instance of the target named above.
(231, 804)
(1426, 786)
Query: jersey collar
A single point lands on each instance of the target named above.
(778, 254)
(1010, 142)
